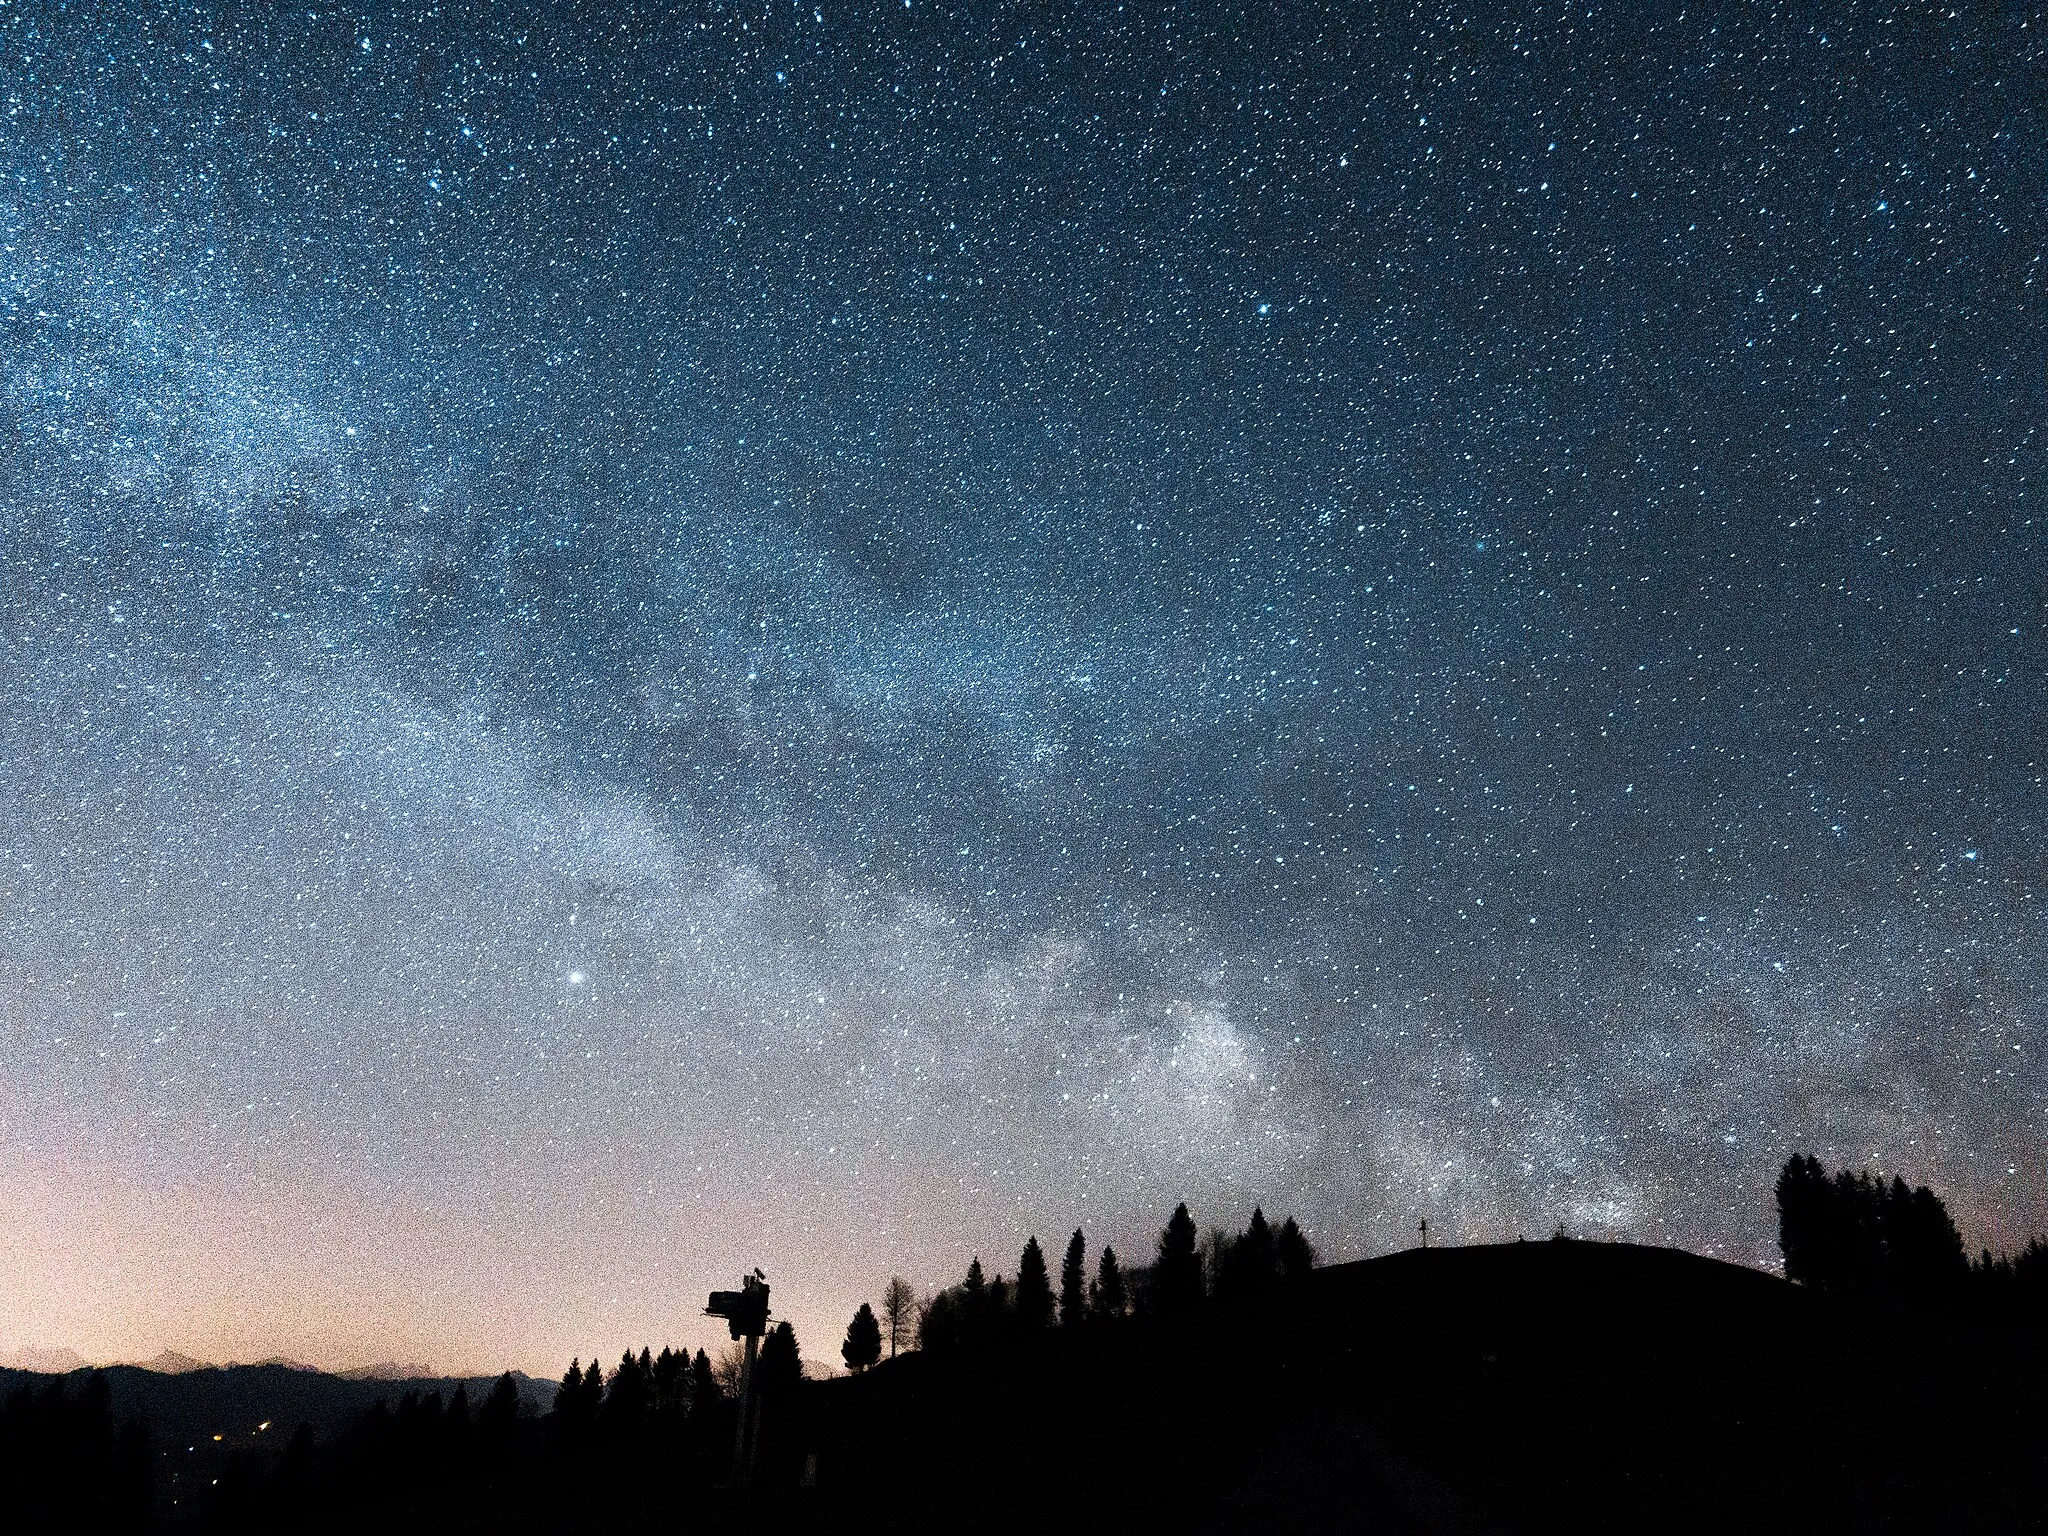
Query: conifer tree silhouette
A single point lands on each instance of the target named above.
(781, 1364)
(1107, 1296)
(500, 1412)
(863, 1346)
(778, 1376)
(456, 1427)
(625, 1405)
(1297, 1256)
(1923, 1248)
(1248, 1267)
(940, 1328)
(593, 1391)
(1074, 1282)
(977, 1307)
(1260, 1258)
(569, 1396)
(1033, 1304)
(704, 1394)
(1803, 1198)
(1177, 1276)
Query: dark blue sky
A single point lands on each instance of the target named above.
(1392, 614)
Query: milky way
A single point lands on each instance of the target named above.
(827, 636)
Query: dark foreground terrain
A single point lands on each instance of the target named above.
(1524, 1387)
(1531, 1386)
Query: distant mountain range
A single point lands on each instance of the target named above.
(171, 1363)
(48, 1362)
(61, 1362)
(389, 1370)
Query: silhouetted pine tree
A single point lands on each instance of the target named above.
(2012, 1282)
(1296, 1254)
(669, 1387)
(569, 1395)
(939, 1326)
(1804, 1197)
(593, 1391)
(1259, 1256)
(1074, 1282)
(500, 1412)
(777, 1380)
(1922, 1246)
(1177, 1277)
(704, 1394)
(781, 1366)
(1248, 1266)
(456, 1428)
(978, 1309)
(625, 1405)
(1107, 1297)
(1033, 1305)
(863, 1346)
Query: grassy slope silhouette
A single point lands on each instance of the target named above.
(1525, 1386)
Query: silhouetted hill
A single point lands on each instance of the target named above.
(171, 1363)
(1528, 1386)
(388, 1370)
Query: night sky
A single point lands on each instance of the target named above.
(639, 643)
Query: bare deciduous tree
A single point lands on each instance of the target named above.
(899, 1311)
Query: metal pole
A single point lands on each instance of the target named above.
(743, 1437)
(753, 1424)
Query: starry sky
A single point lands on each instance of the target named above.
(645, 640)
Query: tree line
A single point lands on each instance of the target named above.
(1187, 1272)
(66, 1465)
(1853, 1235)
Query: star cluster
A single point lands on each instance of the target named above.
(648, 640)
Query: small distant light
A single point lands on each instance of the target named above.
(577, 978)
